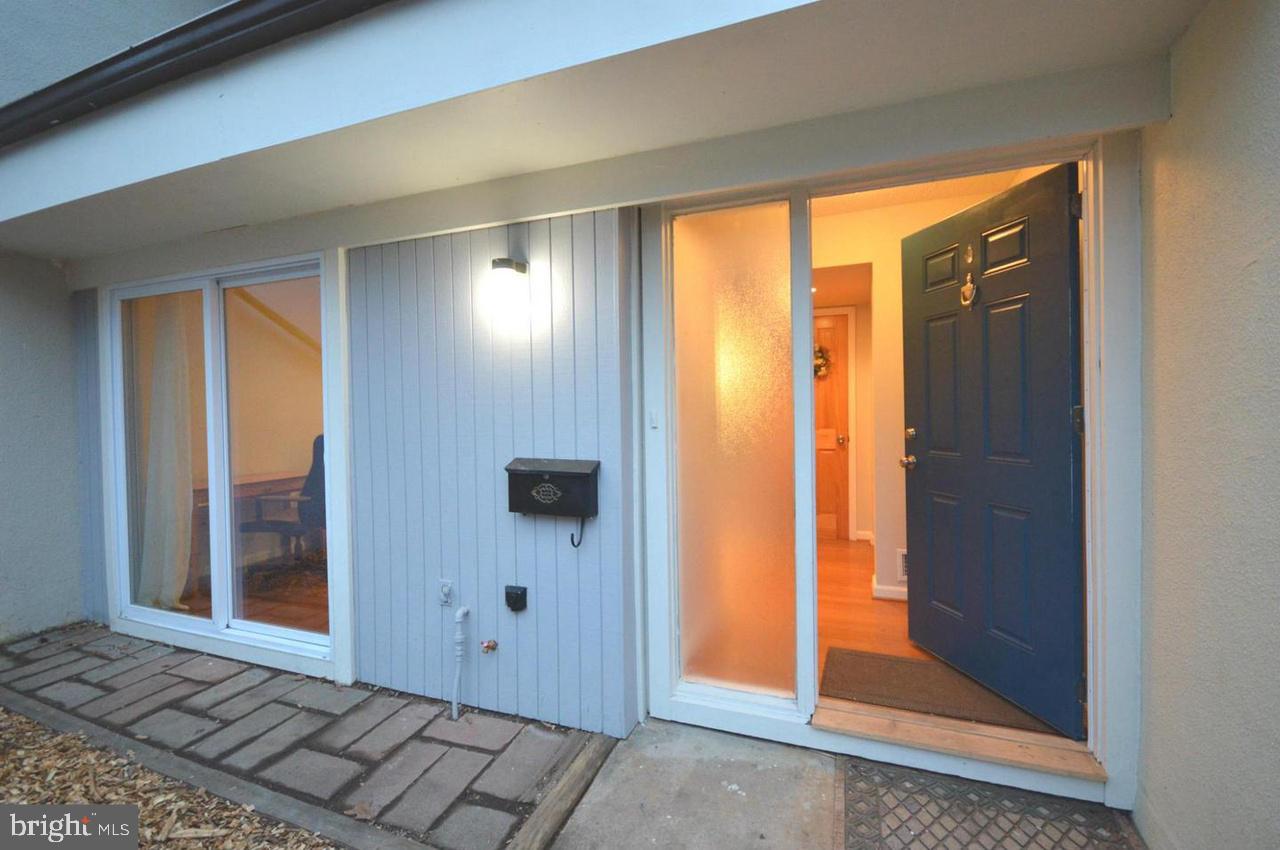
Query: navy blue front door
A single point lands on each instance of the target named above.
(992, 366)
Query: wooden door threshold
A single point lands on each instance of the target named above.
(981, 741)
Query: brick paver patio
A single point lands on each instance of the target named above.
(392, 759)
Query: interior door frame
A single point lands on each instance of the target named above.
(850, 312)
(1111, 285)
(330, 656)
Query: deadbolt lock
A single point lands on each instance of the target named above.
(910, 433)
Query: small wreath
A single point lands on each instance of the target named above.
(821, 362)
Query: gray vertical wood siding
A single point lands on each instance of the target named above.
(441, 401)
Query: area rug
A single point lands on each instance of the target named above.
(918, 684)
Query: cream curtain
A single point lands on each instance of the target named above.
(165, 555)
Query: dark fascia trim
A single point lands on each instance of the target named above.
(224, 33)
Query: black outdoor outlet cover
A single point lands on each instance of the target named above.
(517, 597)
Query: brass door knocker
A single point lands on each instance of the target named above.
(968, 292)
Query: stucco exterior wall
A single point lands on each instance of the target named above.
(1211, 574)
(39, 517)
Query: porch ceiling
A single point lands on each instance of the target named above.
(821, 59)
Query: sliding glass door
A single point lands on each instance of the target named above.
(220, 445)
(275, 420)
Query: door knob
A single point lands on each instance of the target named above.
(841, 439)
(908, 462)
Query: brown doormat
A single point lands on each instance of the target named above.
(918, 684)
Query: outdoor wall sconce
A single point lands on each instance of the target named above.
(508, 267)
(504, 297)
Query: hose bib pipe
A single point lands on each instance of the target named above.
(459, 651)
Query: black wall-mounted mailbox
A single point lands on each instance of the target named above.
(553, 487)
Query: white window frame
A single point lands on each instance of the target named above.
(1111, 286)
(329, 656)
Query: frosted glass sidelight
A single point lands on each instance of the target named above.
(275, 423)
(166, 451)
(735, 448)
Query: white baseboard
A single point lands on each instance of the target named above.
(888, 591)
(869, 536)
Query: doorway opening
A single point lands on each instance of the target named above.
(950, 577)
(728, 686)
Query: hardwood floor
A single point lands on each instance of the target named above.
(848, 616)
(301, 603)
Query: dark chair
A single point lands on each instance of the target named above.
(309, 503)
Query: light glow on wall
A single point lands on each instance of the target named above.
(503, 297)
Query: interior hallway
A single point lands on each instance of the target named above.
(848, 616)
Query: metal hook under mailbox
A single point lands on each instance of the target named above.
(582, 524)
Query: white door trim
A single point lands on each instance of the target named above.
(806, 456)
(331, 656)
(670, 696)
(1111, 286)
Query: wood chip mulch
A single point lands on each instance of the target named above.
(40, 766)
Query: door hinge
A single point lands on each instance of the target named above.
(1082, 691)
(1077, 418)
(1076, 205)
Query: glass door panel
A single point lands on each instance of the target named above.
(166, 452)
(275, 430)
(735, 473)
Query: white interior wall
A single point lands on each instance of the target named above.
(274, 381)
(40, 521)
(1211, 572)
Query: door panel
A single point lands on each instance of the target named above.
(1008, 579)
(946, 573)
(1004, 357)
(942, 377)
(996, 586)
(831, 412)
(275, 425)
